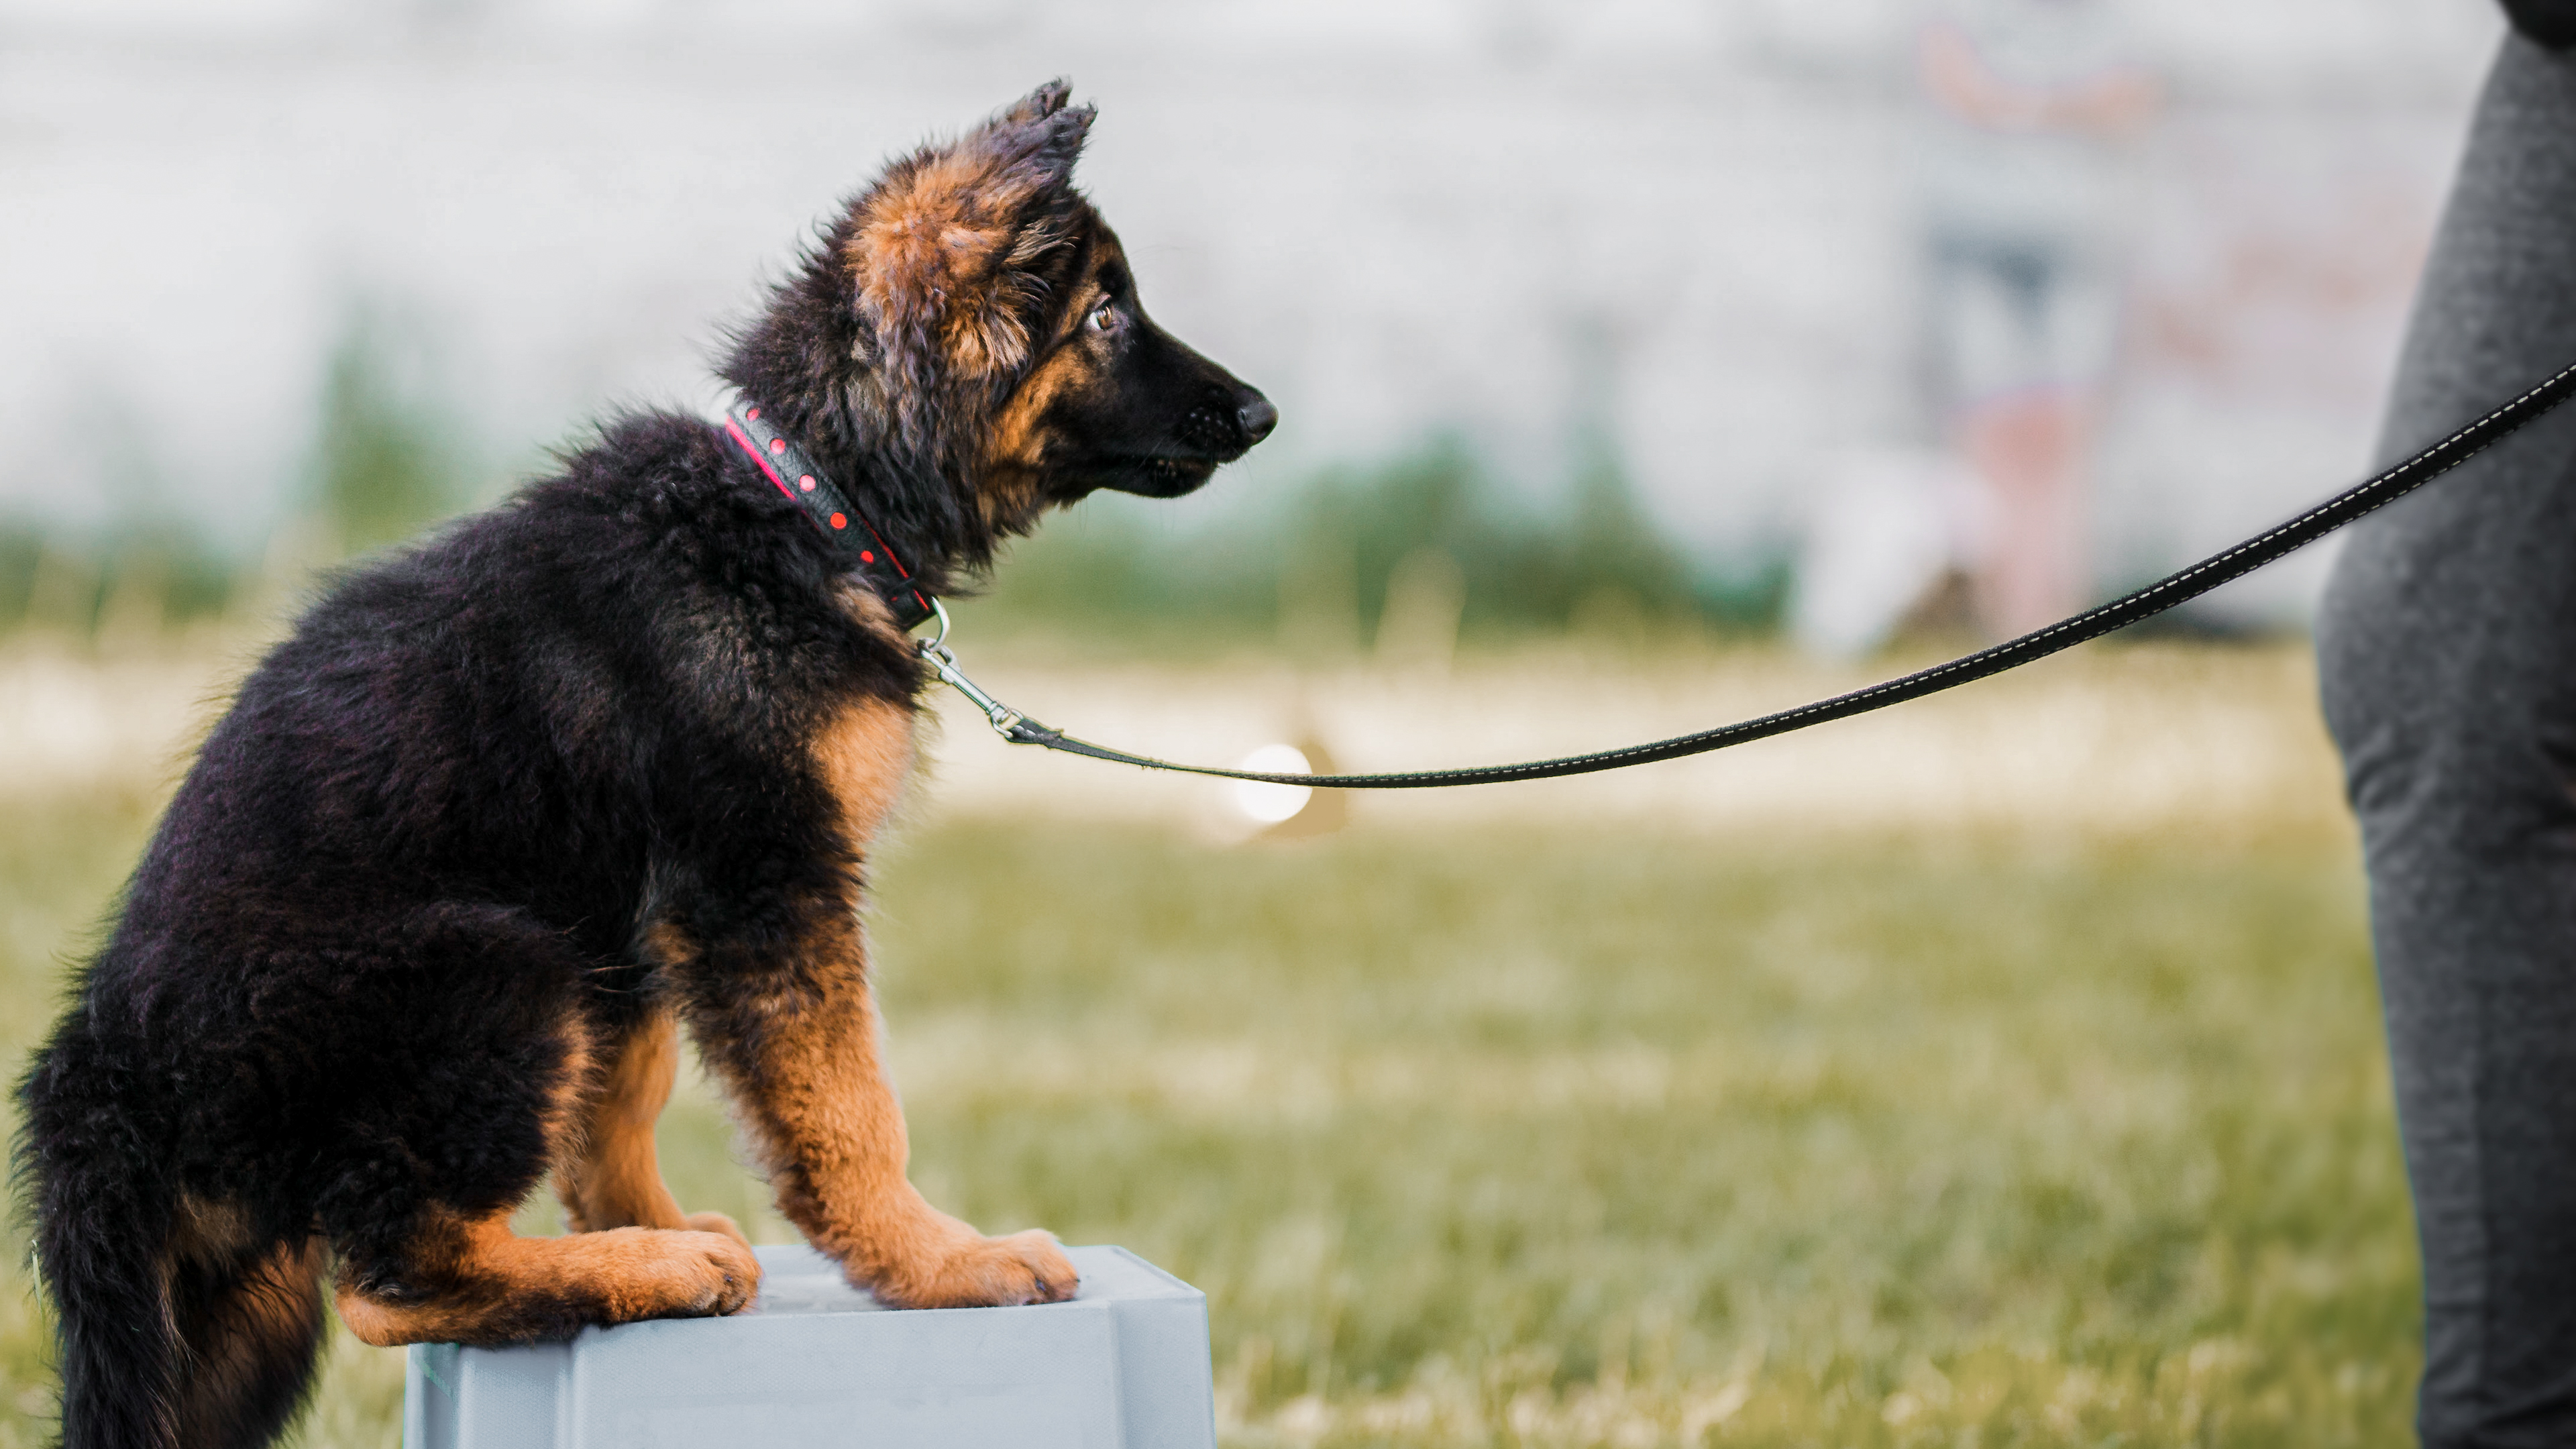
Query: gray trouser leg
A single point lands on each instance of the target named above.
(2447, 650)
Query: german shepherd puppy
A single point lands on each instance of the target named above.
(512, 805)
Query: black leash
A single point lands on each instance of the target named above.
(2120, 613)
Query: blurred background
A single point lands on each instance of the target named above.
(1700, 276)
(2003, 1066)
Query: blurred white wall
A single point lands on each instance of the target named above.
(1687, 216)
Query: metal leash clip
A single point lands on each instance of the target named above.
(935, 651)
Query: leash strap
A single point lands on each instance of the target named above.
(855, 541)
(2120, 613)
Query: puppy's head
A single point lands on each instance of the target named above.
(972, 322)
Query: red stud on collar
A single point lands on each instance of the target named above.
(814, 493)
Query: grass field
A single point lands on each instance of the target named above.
(1537, 1135)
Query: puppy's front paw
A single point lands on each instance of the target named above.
(703, 1274)
(982, 1272)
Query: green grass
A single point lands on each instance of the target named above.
(1542, 1137)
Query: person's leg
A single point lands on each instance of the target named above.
(2023, 327)
(2447, 655)
(2028, 448)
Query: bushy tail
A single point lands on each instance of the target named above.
(177, 1325)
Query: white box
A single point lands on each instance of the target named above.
(1123, 1365)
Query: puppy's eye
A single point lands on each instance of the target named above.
(1104, 316)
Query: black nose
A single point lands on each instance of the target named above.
(1256, 418)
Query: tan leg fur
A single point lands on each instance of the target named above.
(611, 1177)
(812, 1089)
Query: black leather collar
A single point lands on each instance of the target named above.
(854, 540)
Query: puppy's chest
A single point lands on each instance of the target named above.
(866, 749)
(864, 754)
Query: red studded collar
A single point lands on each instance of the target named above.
(861, 549)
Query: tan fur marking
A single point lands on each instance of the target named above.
(665, 945)
(205, 1231)
(1015, 448)
(485, 1284)
(576, 1083)
(609, 1174)
(1015, 445)
(946, 248)
(873, 613)
(260, 1329)
(615, 1179)
(819, 1106)
(865, 754)
(283, 1291)
(946, 234)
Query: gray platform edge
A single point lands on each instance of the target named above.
(534, 1387)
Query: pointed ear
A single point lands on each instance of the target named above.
(949, 249)
(1045, 102)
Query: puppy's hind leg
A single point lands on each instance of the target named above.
(612, 1177)
(472, 1280)
(483, 1065)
